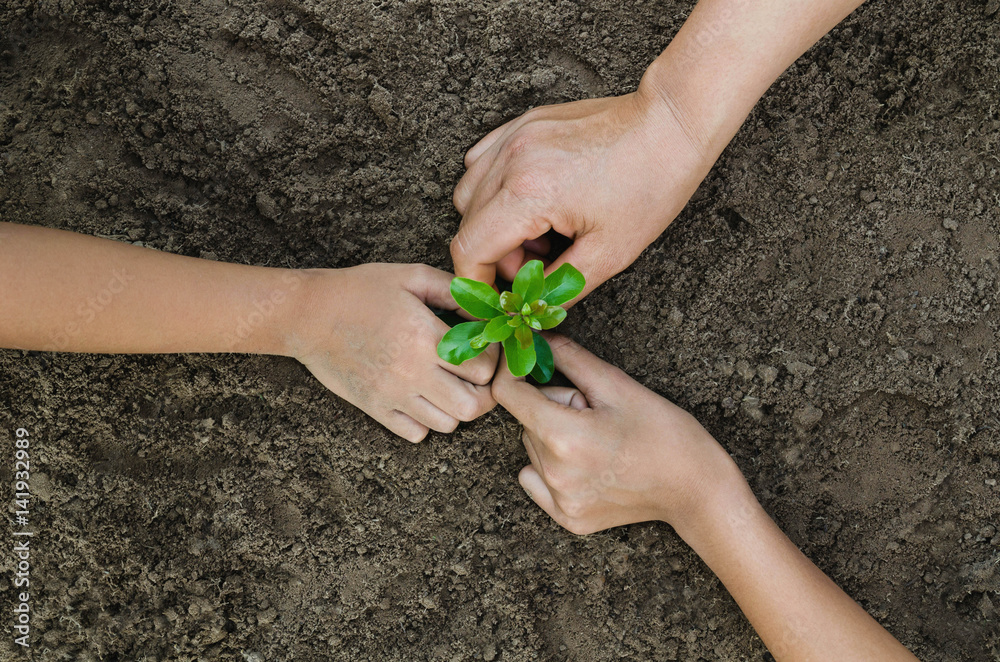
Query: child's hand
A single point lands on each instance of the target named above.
(368, 335)
(613, 452)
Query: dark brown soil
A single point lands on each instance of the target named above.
(842, 259)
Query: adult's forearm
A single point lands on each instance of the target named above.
(799, 613)
(729, 52)
(62, 291)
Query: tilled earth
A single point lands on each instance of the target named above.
(827, 305)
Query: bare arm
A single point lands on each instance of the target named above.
(64, 291)
(611, 452)
(729, 52)
(365, 332)
(799, 613)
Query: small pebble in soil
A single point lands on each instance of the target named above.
(266, 205)
(799, 369)
(949, 224)
(807, 417)
(751, 407)
(767, 374)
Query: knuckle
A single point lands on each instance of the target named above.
(556, 480)
(564, 343)
(523, 141)
(560, 444)
(467, 409)
(574, 510)
(529, 184)
(459, 248)
(458, 197)
(481, 372)
(406, 370)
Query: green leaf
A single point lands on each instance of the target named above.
(544, 364)
(478, 299)
(523, 335)
(533, 323)
(510, 302)
(552, 316)
(497, 329)
(562, 285)
(530, 281)
(515, 321)
(520, 361)
(455, 347)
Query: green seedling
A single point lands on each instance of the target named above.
(512, 318)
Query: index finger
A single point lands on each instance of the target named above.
(491, 233)
(527, 404)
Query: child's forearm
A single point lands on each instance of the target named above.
(799, 613)
(729, 52)
(61, 291)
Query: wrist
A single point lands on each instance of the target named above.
(709, 114)
(304, 329)
(722, 510)
(272, 314)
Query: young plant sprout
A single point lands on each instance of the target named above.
(512, 318)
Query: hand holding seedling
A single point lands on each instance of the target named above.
(365, 332)
(611, 452)
(610, 174)
(370, 337)
(513, 318)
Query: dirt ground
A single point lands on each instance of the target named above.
(827, 305)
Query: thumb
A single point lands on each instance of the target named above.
(598, 380)
(526, 403)
(595, 260)
(432, 286)
(569, 397)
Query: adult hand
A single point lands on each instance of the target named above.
(612, 173)
(611, 452)
(368, 335)
(608, 173)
